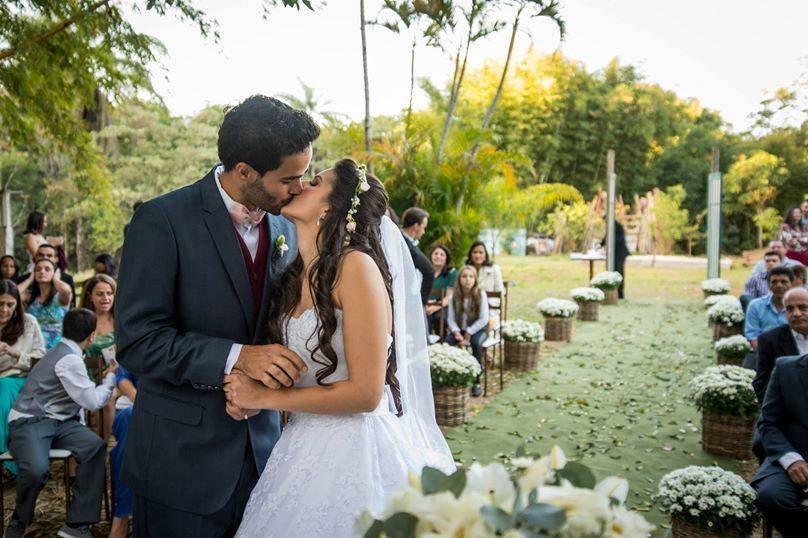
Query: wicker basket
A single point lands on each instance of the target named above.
(611, 296)
(451, 405)
(721, 330)
(685, 529)
(587, 310)
(728, 359)
(522, 356)
(727, 436)
(558, 329)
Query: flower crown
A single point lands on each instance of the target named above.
(362, 186)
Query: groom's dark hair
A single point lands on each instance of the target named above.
(261, 131)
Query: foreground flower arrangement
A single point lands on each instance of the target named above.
(725, 396)
(726, 317)
(715, 286)
(543, 497)
(714, 501)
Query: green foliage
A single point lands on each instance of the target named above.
(671, 219)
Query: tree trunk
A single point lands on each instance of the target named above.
(362, 25)
(408, 121)
(489, 113)
(453, 99)
(79, 244)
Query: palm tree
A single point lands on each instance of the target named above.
(523, 8)
(311, 103)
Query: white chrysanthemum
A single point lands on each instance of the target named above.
(726, 312)
(452, 366)
(716, 286)
(606, 280)
(710, 493)
(519, 330)
(557, 308)
(588, 295)
(734, 345)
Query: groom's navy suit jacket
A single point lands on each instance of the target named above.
(183, 299)
(783, 422)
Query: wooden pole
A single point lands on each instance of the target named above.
(612, 183)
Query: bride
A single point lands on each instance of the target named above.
(362, 416)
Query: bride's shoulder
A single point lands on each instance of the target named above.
(357, 269)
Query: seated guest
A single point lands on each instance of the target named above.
(442, 287)
(127, 386)
(783, 341)
(768, 312)
(99, 296)
(783, 477)
(9, 268)
(488, 274)
(50, 303)
(468, 317)
(21, 343)
(778, 247)
(799, 272)
(49, 252)
(413, 224)
(758, 284)
(46, 415)
(794, 236)
(104, 264)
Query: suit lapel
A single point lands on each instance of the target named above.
(220, 227)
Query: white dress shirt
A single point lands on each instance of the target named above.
(72, 372)
(250, 235)
(802, 342)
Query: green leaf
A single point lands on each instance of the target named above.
(499, 520)
(456, 483)
(434, 481)
(578, 474)
(543, 516)
(375, 530)
(400, 525)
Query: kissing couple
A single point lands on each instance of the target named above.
(252, 292)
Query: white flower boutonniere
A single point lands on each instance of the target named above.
(280, 246)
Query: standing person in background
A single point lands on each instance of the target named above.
(99, 297)
(104, 264)
(9, 268)
(488, 274)
(413, 223)
(804, 209)
(21, 343)
(468, 317)
(794, 236)
(51, 302)
(620, 254)
(35, 236)
(442, 287)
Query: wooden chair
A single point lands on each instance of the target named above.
(498, 305)
(54, 455)
(102, 433)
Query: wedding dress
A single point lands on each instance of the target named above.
(327, 469)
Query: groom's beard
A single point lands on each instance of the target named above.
(255, 195)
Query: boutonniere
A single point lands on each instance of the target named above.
(280, 246)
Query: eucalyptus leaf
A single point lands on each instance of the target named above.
(543, 516)
(500, 520)
(400, 525)
(375, 530)
(578, 474)
(431, 480)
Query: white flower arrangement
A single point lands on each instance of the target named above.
(543, 497)
(588, 295)
(727, 311)
(709, 497)
(606, 280)
(452, 366)
(726, 390)
(733, 346)
(557, 308)
(710, 300)
(519, 330)
(715, 286)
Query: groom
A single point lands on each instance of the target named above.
(196, 276)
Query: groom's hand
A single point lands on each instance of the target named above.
(272, 365)
(238, 414)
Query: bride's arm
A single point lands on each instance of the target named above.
(366, 313)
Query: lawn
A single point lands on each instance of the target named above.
(616, 397)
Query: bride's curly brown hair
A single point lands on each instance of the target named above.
(322, 276)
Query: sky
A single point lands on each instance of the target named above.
(726, 53)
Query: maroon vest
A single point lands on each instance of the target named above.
(256, 270)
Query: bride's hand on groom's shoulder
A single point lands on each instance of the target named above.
(272, 365)
(244, 393)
